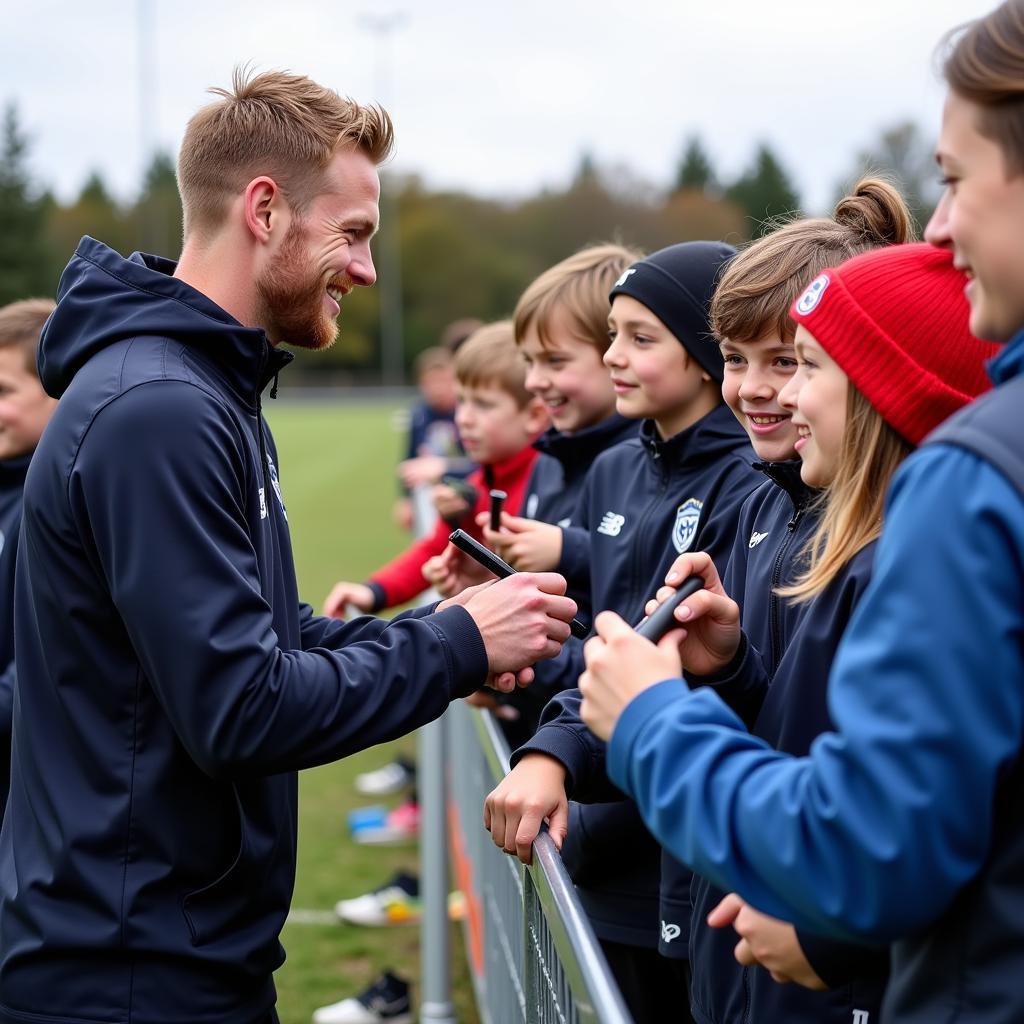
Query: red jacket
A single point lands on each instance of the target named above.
(402, 578)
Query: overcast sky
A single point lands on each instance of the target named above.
(497, 98)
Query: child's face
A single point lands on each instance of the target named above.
(568, 376)
(437, 386)
(491, 424)
(981, 215)
(652, 374)
(25, 408)
(755, 372)
(816, 395)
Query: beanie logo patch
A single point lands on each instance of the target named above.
(626, 275)
(687, 520)
(810, 298)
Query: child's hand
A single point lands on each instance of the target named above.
(526, 544)
(489, 702)
(620, 665)
(451, 572)
(532, 791)
(425, 469)
(344, 594)
(766, 941)
(448, 502)
(401, 514)
(711, 618)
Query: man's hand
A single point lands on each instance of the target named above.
(711, 618)
(425, 469)
(532, 791)
(522, 619)
(766, 941)
(620, 665)
(453, 571)
(344, 594)
(525, 544)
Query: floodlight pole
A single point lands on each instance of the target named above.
(389, 287)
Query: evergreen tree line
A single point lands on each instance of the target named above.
(461, 255)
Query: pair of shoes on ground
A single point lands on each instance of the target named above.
(394, 777)
(396, 902)
(386, 1001)
(377, 826)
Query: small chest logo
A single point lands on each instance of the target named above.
(687, 521)
(860, 1017)
(263, 503)
(531, 506)
(564, 523)
(756, 538)
(669, 932)
(612, 524)
(276, 484)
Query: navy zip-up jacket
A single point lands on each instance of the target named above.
(777, 684)
(643, 503)
(907, 823)
(176, 683)
(12, 482)
(552, 494)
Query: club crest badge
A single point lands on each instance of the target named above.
(687, 521)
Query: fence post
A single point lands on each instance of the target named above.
(435, 943)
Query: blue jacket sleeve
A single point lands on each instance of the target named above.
(874, 833)
(319, 631)
(184, 577)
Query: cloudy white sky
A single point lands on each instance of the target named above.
(497, 98)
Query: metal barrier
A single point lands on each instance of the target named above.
(532, 952)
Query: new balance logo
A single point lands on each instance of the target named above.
(756, 538)
(860, 1017)
(669, 932)
(612, 524)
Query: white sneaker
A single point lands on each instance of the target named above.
(391, 778)
(395, 902)
(386, 1001)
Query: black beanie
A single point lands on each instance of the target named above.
(676, 285)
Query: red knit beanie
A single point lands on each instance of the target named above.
(895, 320)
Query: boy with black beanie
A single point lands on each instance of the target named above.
(677, 487)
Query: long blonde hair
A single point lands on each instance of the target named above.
(852, 503)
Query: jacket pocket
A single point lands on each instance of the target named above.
(213, 911)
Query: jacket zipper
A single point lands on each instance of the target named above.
(773, 599)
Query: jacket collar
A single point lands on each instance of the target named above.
(583, 446)
(786, 475)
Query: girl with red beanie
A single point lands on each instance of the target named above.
(885, 355)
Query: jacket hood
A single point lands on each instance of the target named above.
(711, 437)
(103, 298)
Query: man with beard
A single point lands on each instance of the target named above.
(170, 681)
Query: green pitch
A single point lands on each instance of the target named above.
(337, 467)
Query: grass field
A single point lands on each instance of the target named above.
(337, 473)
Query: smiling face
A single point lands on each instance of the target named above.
(567, 375)
(816, 395)
(492, 424)
(652, 374)
(324, 254)
(755, 372)
(981, 216)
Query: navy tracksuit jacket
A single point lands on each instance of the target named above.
(643, 503)
(170, 681)
(778, 685)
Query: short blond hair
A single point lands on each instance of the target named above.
(21, 323)
(489, 358)
(275, 123)
(579, 286)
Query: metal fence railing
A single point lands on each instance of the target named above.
(532, 952)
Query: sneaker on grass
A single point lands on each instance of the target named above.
(400, 825)
(397, 901)
(386, 1001)
(392, 778)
